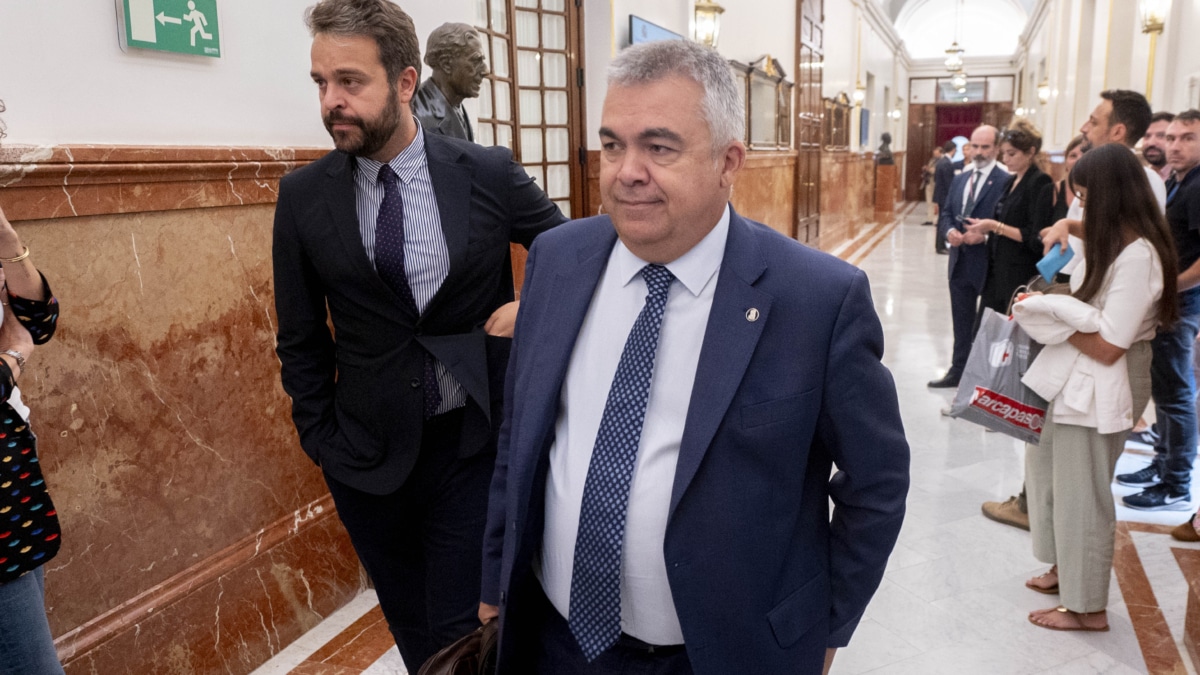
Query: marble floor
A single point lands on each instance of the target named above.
(953, 599)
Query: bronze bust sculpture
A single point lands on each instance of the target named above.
(455, 56)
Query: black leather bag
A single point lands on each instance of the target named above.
(473, 654)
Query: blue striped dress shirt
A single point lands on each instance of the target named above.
(426, 256)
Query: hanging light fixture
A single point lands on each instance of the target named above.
(708, 23)
(959, 81)
(954, 55)
(954, 59)
(860, 94)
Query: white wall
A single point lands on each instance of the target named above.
(845, 21)
(749, 29)
(66, 80)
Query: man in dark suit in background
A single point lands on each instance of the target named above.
(973, 194)
(457, 67)
(661, 502)
(401, 238)
(943, 175)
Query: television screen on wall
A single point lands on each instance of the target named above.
(641, 30)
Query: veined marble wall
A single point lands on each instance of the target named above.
(197, 537)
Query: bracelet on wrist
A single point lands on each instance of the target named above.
(17, 356)
(24, 255)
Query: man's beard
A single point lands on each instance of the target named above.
(374, 134)
(1156, 157)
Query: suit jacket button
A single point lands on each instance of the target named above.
(415, 383)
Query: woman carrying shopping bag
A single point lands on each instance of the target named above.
(1095, 371)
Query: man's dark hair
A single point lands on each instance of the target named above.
(949, 147)
(1162, 116)
(381, 20)
(1189, 116)
(1131, 109)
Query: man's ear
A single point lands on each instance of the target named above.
(406, 84)
(1120, 137)
(731, 161)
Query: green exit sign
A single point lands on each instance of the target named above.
(180, 26)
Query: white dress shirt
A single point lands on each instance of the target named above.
(647, 609)
(980, 181)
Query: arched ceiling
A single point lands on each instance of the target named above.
(986, 27)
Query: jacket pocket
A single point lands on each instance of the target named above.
(799, 611)
(780, 409)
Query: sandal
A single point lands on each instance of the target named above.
(1077, 617)
(1048, 590)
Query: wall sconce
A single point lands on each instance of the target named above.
(860, 94)
(1019, 112)
(708, 23)
(896, 114)
(1154, 19)
(1043, 92)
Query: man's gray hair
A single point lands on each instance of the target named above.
(655, 61)
(448, 41)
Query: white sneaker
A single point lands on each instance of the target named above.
(946, 411)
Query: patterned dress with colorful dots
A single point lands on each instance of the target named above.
(29, 530)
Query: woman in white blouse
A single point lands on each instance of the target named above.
(1095, 371)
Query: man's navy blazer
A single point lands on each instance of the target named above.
(763, 580)
(357, 401)
(971, 261)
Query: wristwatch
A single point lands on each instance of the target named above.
(17, 356)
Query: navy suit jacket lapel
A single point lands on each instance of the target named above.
(340, 198)
(452, 186)
(996, 180)
(730, 339)
(563, 309)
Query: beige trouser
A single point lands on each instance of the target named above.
(1068, 480)
(929, 214)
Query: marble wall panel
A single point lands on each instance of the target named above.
(847, 197)
(197, 536)
(164, 430)
(766, 190)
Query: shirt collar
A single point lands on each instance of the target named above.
(694, 269)
(985, 169)
(406, 164)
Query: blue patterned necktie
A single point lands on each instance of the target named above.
(389, 263)
(595, 619)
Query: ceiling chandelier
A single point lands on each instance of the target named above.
(954, 55)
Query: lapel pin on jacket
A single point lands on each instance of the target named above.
(752, 315)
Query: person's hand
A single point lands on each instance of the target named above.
(981, 225)
(954, 238)
(1030, 294)
(13, 335)
(1059, 234)
(487, 612)
(972, 237)
(502, 321)
(829, 654)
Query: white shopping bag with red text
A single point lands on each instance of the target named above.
(990, 392)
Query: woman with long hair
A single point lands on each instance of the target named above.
(28, 524)
(1095, 371)
(1014, 246)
